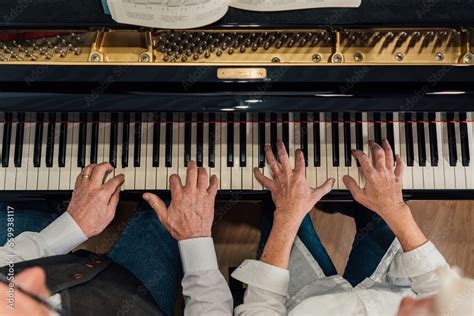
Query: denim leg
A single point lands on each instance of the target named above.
(306, 233)
(372, 239)
(148, 251)
(27, 216)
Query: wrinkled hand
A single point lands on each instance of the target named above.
(191, 211)
(383, 181)
(94, 202)
(32, 280)
(291, 193)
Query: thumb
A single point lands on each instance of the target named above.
(156, 204)
(352, 186)
(33, 280)
(324, 189)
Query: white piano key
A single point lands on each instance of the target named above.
(255, 184)
(106, 145)
(43, 172)
(449, 172)
(342, 169)
(459, 172)
(291, 139)
(331, 169)
(205, 144)
(236, 176)
(150, 175)
(267, 170)
(428, 170)
(89, 138)
(2, 169)
(74, 146)
(470, 170)
(10, 171)
(140, 172)
(54, 175)
(408, 171)
(322, 171)
(311, 169)
(22, 173)
(179, 146)
(365, 145)
(194, 137)
(129, 171)
(119, 166)
(247, 171)
(226, 173)
(418, 182)
(439, 170)
(218, 135)
(65, 172)
(353, 170)
(161, 170)
(101, 141)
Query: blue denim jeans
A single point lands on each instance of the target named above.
(373, 238)
(145, 248)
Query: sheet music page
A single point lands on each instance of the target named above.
(282, 5)
(170, 14)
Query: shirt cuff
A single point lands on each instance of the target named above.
(423, 259)
(63, 235)
(198, 254)
(264, 276)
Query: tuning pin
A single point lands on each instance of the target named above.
(266, 45)
(207, 54)
(414, 39)
(48, 56)
(77, 51)
(218, 53)
(401, 39)
(254, 47)
(388, 39)
(242, 49)
(230, 50)
(63, 53)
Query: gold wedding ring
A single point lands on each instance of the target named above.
(85, 176)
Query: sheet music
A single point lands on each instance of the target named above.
(169, 14)
(282, 5)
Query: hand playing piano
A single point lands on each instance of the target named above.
(291, 193)
(382, 192)
(94, 202)
(191, 211)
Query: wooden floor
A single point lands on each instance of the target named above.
(448, 224)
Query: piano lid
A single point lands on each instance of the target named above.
(89, 13)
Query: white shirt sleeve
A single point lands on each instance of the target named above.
(266, 291)
(205, 290)
(59, 237)
(419, 265)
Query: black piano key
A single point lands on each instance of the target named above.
(420, 133)
(285, 117)
(304, 136)
(261, 140)
(113, 139)
(273, 132)
(200, 139)
(187, 138)
(317, 140)
(453, 155)
(38, 140)
(156, 140)
(230, 139)
(390, 132)
(62, 141)
(463, 133)
(409, 140)
(243, 140)
(125, 139)
(81, 149)
(94, 137)
(212, 140)
(20, 132)
(50, 140)
(359, 136)
(378, 128)
(169, 140)
(347, 140)
(137, 140)
(433, 139)
(7, 134)
(335, 138)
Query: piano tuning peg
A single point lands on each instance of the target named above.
(278, 44)
(254, 47)
(242, 49)
(184, 58)
(266, 45)
(207, 54)
(63, 53)
(77, 51)
(218, 53)
(48, 56)
(230, 51)
(2, 57)
(212, 48)
(401, 39)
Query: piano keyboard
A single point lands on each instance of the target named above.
(46, 151)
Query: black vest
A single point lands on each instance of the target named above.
(91, 284)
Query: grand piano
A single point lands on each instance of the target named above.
(78, 88)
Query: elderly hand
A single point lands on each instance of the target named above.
(94, 202)
(191, 212)
(291, 193)
(382, 192)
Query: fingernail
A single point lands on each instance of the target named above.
(145, 197)
(353, 151)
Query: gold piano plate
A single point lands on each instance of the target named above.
(244, 47)
(241, 73)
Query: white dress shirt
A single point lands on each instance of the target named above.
(303, 289)
(205, 290)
